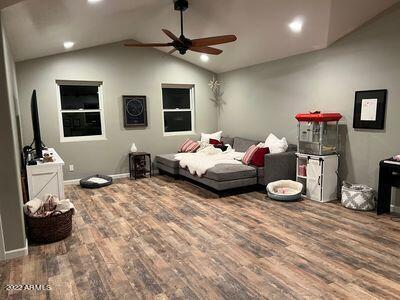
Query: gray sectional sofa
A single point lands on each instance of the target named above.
(224, 177)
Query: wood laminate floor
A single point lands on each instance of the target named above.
(159, 238)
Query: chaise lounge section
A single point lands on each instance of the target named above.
(223, 177)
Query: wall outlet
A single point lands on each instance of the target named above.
(71, 168)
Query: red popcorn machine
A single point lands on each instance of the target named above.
(318, 133)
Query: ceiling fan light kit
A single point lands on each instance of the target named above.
(181, 5)
(183, 44)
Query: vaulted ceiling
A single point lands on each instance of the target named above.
(38, 28)
(6, 3)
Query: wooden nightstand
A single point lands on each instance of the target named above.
(139, 164)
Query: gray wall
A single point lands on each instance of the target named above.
(124, 71)
(265, 98)
(10, 180)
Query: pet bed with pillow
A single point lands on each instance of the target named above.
(285, 190)
(95, 181)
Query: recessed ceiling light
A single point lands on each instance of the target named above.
(204, 57)
(68, 45)
(296, 25)
(94, 1)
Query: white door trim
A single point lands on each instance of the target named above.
(2, 247)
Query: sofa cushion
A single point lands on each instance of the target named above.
(260, 175)
(167, 169)
(241, 145)
(260, 171)
(219, 185)
(227, 140)
(225, 172)
(168, 160)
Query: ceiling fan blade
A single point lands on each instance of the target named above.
(215, 40)
(150, 45)
(170, 34)
(208, 50)
(172, 51)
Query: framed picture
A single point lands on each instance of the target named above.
(135, 111)
(370, 109)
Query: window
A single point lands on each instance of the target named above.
(80, 111)
(178, 109)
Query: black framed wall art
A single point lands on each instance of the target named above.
(370, 109)
(135, 111)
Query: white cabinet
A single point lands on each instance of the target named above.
(319, 175)
(46, 178)
(313, 181)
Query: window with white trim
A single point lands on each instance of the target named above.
(81, 115)
(178, 109)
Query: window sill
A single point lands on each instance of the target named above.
(83, 138)
(179, 133)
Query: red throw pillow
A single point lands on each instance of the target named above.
(258, 157)
(221, 146)
(215, 142)
(249, 154)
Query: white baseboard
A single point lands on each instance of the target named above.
(118, 176)
(395, 209)
(17, 252)
(71, 182)
(115, 176)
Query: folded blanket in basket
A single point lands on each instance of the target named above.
(31, 207)
(50, 206)
(64, 205)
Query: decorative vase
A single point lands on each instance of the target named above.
(133, 148)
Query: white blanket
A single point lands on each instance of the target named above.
(198, 163)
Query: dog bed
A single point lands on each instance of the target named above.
(95, 181)
(285, 190)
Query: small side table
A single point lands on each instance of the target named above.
(139, 164)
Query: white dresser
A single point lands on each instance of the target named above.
(46, 178)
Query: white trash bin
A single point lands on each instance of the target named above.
(357, 196)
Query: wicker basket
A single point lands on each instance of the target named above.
(357, 196)
(49, 229)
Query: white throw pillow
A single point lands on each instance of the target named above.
(205, 137)
(276, 145)
(261, 145)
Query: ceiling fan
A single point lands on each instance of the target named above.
(182, 44)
